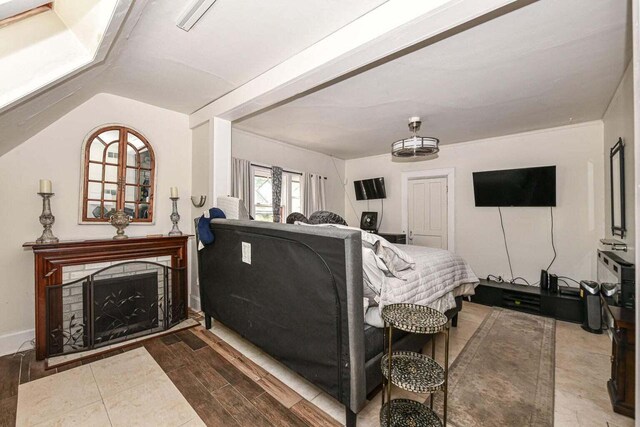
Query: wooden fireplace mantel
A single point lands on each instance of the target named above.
(50, 258)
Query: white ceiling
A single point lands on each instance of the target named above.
(156, 62)
(234, 42)
(551, 63)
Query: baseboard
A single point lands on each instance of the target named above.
(10, 343)
(195, 302)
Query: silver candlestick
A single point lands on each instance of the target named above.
(47, 219)
(175, 217)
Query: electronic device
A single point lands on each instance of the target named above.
(608, 289)
(369, 189)
(369, 221)
(591, 306)
(613, 269)
(553, 283)
(568, 291)
(544, 280)
(516, 187)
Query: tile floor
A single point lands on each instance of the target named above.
(582, 370)
(141, 392)
(123, 390)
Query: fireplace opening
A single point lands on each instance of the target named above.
(124, 306)
(117, 303)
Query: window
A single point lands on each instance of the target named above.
(290, 199)
(119, 170)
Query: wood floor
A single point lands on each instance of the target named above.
(224, 387)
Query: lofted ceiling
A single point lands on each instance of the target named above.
(156, 62)
(551, 63)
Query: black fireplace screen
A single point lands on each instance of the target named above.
(118, 303)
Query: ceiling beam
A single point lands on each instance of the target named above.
(393, 29)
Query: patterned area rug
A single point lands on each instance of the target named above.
(504, 376)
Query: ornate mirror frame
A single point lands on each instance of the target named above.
(616, 169)
(118, 173)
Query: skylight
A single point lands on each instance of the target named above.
(42, 42)
(12, 9)
(10, 15)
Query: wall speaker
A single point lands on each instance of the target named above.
(544, 280)
(369, 221)
(553, 283)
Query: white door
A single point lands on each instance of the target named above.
(428, 212)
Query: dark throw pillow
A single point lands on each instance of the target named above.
(296, 216)
(326, 217)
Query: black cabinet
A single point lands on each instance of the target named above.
(399, 238)
(530, 299)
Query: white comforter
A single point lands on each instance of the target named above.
(437, 273)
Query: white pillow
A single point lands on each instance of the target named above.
(373, 273)
(395, 259)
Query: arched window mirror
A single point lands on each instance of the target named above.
(119, 171)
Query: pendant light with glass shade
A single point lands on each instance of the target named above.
(415, 146)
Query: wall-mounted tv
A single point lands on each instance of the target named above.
(516, 187)
(368, 189)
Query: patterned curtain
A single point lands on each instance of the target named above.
(314, 193)
(276, 191)
(241, 181)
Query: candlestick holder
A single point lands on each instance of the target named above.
(47, 219)
(175, 217)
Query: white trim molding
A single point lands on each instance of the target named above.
(12, 342)
(194, 302)
(448, 173)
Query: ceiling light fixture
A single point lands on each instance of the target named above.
(194, 12)
(415, 146)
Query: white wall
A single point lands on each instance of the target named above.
(577, 151)
(618, 122)
(270, 152)
(201, 181)
(55, 153)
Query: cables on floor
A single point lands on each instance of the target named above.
(565, 278)
(506, 247)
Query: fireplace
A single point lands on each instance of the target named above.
(123, 306)
(61, 263)
(113, 304)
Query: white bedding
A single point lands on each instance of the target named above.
(439, 276)
(409, 274)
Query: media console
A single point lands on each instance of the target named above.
(529, 299)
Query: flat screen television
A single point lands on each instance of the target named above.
(516, 187)
(368, 189)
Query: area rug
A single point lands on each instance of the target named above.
(504, 376)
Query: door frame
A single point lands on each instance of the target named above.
(449, 174)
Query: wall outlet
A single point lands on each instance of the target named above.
(246, 252)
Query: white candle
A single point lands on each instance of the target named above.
(174, 191)
(45, 186)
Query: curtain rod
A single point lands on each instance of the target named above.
(283, 170)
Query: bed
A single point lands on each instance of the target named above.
(297, 293)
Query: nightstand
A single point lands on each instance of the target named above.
(399, 238)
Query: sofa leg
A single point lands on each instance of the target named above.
(454, 321)
(352, 418)
(207, 321)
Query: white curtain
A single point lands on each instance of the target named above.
(241, 181)
(314, 193)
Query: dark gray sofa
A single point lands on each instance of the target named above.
(300, 300)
